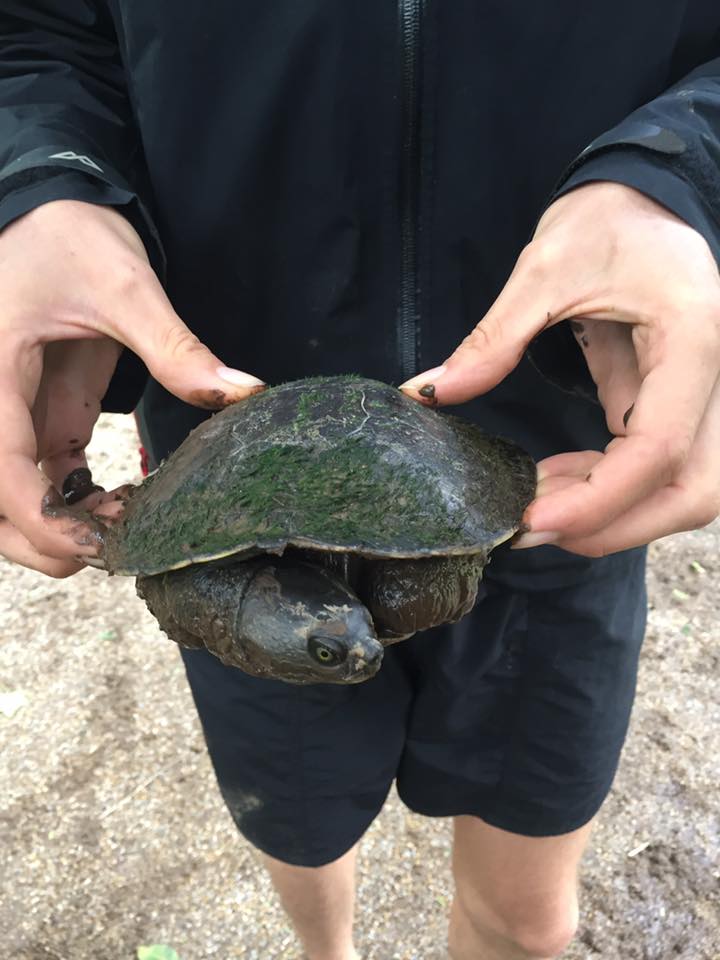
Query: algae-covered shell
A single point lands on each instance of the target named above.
(333, 463)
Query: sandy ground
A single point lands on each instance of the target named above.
(113, 834)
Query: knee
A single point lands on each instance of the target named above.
(547, 938)
(538, 930)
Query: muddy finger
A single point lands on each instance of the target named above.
(16, 548)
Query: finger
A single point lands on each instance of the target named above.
(526, 306)
(110, 506)
(555, 474)
(67, 404)
(172, 353)
(28, 499)
(16, 548)
(657, 516)
(691, 501)
(67, 470)
(72, 477)
(660, 435)
(610, 355)
(109, 511)
(575, 465)
(75, 377)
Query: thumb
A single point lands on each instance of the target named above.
(493, 348)
(174, 355)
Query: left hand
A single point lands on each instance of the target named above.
(643, 291)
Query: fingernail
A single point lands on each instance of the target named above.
(534, 540)
(239, 378)
(424, 381)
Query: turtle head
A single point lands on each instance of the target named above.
(301, 623)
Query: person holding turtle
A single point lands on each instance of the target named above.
(522, 201)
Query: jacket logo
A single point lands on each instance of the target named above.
(70, 155)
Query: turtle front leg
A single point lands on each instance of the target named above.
(404, 596)
(197, 606)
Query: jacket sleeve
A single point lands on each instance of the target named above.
(66, 127)
(669, 149)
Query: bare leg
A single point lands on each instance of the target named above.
(516, 897)
(320, 903)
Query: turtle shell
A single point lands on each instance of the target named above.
(332, 463)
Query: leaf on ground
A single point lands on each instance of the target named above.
(11, 702)
(108, 635)
(697, 567)
(157, 952)
(680, 594)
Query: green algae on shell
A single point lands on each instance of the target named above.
(335, 463)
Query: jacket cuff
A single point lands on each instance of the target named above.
(30, 181)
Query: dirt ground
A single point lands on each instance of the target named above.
(113, 834)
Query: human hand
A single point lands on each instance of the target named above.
(643, 291)
(75, 287)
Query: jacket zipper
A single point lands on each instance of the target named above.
(408, 314)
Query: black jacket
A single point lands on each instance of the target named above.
(334, 185)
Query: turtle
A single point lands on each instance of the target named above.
(297, 533)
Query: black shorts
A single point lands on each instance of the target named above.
(517, 715)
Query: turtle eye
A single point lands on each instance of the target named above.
(326, 651)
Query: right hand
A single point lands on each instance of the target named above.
(75, 287)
